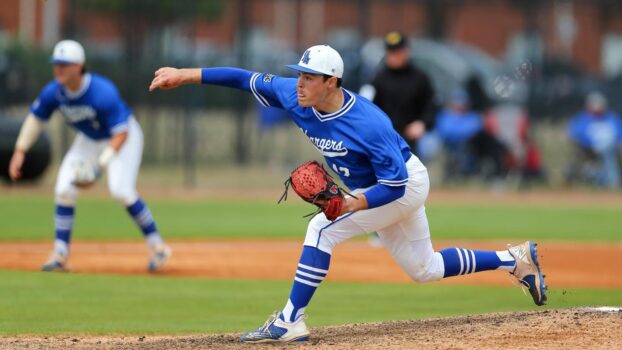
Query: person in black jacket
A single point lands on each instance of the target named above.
(402, 91)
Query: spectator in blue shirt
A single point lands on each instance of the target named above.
(597, 134)
(466, 140)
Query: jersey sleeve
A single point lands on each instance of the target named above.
(386, 157)
(111, 107)
(274, 91)
(46, 102)
(380, 195)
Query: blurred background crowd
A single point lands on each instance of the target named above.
(499, 93)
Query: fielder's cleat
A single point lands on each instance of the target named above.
(276, 330)
(528, 272)
(56, 263)
(159, 255)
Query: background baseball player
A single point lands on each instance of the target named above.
(390, 184)
(108, 138)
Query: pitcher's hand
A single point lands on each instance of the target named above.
(167, 78)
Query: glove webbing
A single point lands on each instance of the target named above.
(288, 182)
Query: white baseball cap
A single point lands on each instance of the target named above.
(68, 52)
(320, 59)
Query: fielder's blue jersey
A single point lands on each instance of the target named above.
(358, 141)
(95, 110)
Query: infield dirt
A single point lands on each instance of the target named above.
(565, 264)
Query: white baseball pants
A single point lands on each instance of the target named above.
(122, 170)
(402, 226)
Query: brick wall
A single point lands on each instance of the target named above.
(486, 24)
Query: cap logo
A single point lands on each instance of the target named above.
(306, 57)
(393, 38)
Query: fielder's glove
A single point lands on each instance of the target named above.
(314, 185)
(85, 173)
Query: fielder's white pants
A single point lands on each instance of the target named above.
(122, 169)
(402, 226)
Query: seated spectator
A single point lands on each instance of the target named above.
(471, 149)
(596, 133)
(509, 123)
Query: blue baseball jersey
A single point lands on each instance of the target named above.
(358, 141)
(95, 110)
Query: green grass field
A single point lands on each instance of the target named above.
(37, 303)
(30, 218)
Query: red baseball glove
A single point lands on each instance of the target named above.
(314, 185)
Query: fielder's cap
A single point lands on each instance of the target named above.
(68, 52)
(395, 41)
(320, 59)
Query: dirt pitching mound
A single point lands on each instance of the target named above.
(582, 328)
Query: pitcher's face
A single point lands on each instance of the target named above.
(312, 89)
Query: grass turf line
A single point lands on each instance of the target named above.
(40, 303)
(31, 218)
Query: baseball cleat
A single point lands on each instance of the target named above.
(56, 263)
(276, 330)
(527, 271)
(159, 256)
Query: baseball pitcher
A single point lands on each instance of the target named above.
(108, 139)
(389, 185)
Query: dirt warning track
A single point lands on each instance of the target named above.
(565, 264)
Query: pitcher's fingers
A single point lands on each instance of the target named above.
(155, 83)
(160, 71)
